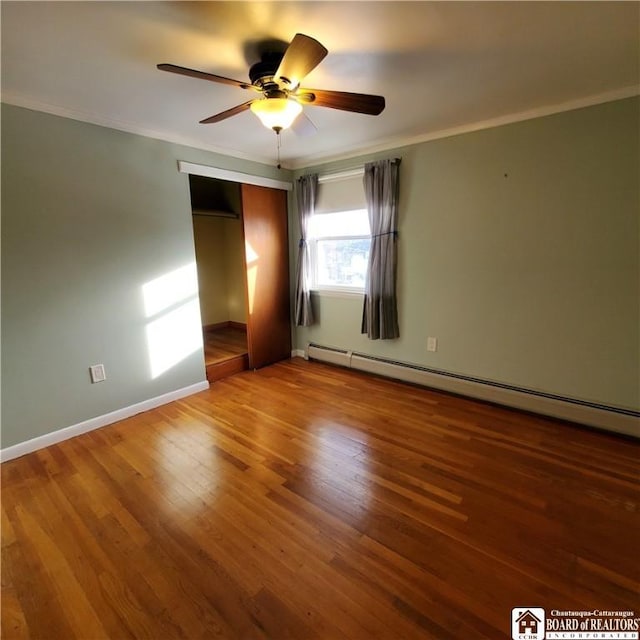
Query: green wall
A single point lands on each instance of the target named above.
(518, 250)
(530, 279)
(89, 215)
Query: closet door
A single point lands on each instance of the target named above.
(264, 212)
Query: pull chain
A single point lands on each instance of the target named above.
(278, 146)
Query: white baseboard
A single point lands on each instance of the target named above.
(298, 353)
(22, 448)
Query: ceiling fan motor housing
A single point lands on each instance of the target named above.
(263, 72)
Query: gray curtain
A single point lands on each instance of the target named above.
(306, 192)
(380, 312)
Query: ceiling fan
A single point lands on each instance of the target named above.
(277, 77)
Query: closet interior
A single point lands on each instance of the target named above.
(219, 246)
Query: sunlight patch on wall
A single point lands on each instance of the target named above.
(172, 308)
(167, 290)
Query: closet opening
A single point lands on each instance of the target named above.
(219, 247)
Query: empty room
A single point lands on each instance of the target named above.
(320, 320)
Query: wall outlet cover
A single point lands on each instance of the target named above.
(97, 373)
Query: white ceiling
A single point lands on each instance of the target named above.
(442, 66)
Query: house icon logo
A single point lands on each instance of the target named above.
(527, 623)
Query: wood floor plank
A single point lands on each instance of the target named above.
(14, 624)
(34, 597)
(222, 343)
(304, 501)
(82, 618)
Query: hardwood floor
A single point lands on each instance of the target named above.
(225, 352)
(224, 343)
(305, 501)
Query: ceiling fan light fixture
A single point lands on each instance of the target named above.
(276, 113)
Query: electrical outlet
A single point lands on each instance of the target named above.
(97, 373)
(432, 344)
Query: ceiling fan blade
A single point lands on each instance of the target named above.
(356, 102)
(202, 75)
(302, 56)
(223, 115)
(303, 126)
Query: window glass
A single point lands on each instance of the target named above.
(339, 245)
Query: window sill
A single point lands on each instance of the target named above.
(338, 293)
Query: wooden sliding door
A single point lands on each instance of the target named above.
(264, 212)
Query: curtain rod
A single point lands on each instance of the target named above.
(341, 175)
(345, 173)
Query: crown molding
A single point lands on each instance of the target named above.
(530, 114)
(18, 100)
(312, 160)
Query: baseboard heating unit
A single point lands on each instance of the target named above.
(616, 419)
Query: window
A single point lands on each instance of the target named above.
(339, 250)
